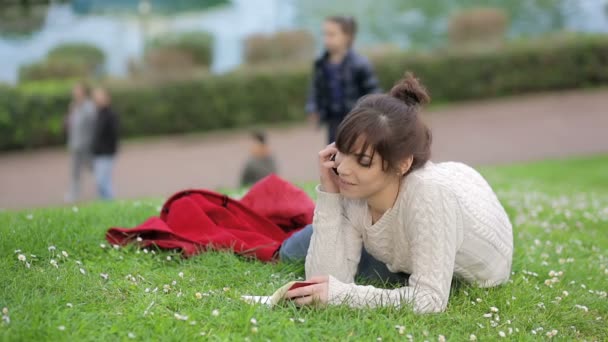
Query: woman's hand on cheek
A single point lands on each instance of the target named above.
(329, 179)
(311, 295)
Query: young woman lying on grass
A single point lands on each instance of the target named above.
(386, 212)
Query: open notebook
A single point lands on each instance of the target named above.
(277, 296)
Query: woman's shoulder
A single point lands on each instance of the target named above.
(444, 176)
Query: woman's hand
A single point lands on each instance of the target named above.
(329, 179)
(312, 294)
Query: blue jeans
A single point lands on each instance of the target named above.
(102, 167)
(295, 249)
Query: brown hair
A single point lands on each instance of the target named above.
(348, 25)
(390, 125)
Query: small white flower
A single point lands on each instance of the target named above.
(131, 335)
(28, 265)
(61, 328)
(441, 338)
(301, 320)
(198, 295)
(502, 334)
(139, 239)
(253, 321)
(226, 289)
(168, 258)
(180, 317)
(487, 315)
(494, 309)
(582, 307)
(64, 253)
(21, 257)
(145, 251)
(105, 276)
(493, 324)
(401, 329)
(75, 209)
(551, 333)
(102, 245)
(565, 293)
(78, 262)
(54, 263)
(116, 246)
(478, 300)
(181, 275)
(52, 248)
(5, 311)
(215, 312)
(174, 283)
(472, 337)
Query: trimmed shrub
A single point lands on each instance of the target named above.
(193, 48)
(53, 70)
(77, 52)
(32, 116)
(478, 27)
(68, 61)
(287, 46)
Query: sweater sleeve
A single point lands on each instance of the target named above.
(335, 245)
(433, 223)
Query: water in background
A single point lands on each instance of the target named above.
(413, 23)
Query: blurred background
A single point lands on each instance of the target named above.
(511, 80)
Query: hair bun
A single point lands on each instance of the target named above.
(410, 90)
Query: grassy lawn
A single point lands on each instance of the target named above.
(560, 275)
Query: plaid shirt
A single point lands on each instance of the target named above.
(356, 80)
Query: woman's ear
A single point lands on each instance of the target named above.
(405, 165)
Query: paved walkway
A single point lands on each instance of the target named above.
(487, 132)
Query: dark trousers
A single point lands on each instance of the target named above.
(295, 249)
(332, 129)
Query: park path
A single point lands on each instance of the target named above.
(495, 131)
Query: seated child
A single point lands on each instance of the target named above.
(260, 163)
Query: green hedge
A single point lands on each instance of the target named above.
(67, 61)
(31, 117)
(198, 45)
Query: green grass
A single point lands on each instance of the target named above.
(560, 212)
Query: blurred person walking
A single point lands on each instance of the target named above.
(79, 125)
(340, 76)
(105, 143)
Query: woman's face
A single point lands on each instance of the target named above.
(78, 93)
(362, 176)
(334, 38)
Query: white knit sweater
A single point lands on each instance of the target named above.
(445, 222)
